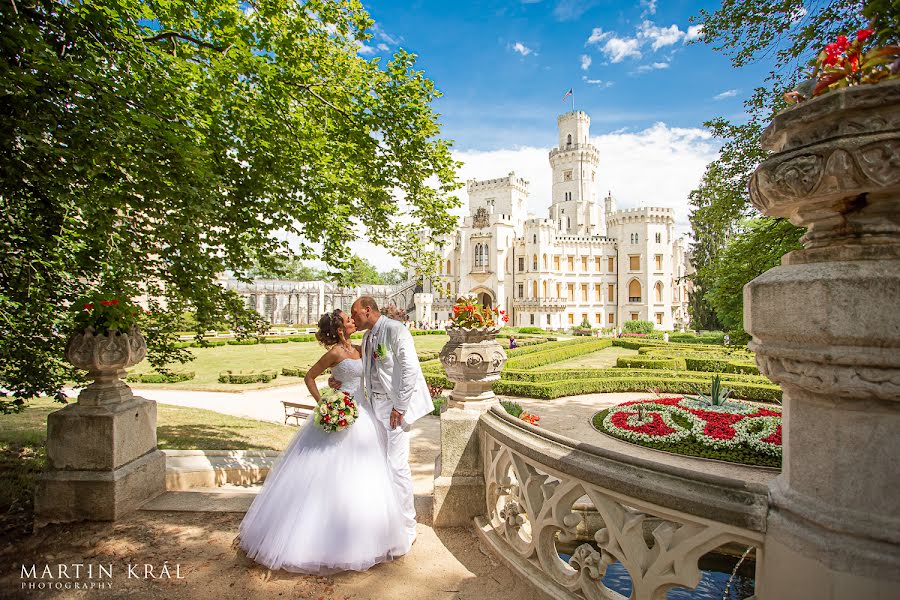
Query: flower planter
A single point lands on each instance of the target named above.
(105, 358)
(472, 359)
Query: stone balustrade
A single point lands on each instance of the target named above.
(545, 491)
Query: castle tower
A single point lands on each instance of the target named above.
(575, 163)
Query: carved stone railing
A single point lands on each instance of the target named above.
(541, 304)
(544, 490)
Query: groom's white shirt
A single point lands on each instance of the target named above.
(398, 373)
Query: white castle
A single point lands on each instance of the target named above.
(587, 262)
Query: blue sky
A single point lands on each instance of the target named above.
(504, 66)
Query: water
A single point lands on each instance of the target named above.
(711, 587)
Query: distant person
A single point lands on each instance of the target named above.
(666, 336)
(727, 340)
(512, 343)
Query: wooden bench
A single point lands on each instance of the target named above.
(297, 411)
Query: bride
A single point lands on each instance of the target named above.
(329, 504)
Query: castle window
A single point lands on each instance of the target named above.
(448, 267)
(659, 318)
(521, 263)
(634, 291)
(611, 319)
(597, 263)
(571, 264)
(634, 262)
(534, 266)
(659, 238)
(569, 140)
(597, 318)
(545, 262)
(658, 259)
(532, 318)
(584, 263)
(556, 263)
(611, 264)
(521, 290)
(584, 292)
(571, 290)
(568, 222)
(534, 239)
(478, 256)
(571, 319)
(611, 293)
(659, 291)
(635, 316)
(598, 292)
(534, 289)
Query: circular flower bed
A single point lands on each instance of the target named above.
(734, 431)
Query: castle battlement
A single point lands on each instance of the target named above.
(473, 185)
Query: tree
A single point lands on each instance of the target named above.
(359, 271)
(287, 268)
(787, 34)
(395, 276)
(149, 147)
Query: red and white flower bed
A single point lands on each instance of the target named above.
(727, 426)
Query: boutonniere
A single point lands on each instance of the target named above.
(380, 352)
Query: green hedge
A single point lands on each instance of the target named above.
(438, 379)
(175, 377)
(574, 387)
(294, 371)
(548, 375)
(572, 349)
(742, 366)
(248, 377)
(244, 342)
(301, 338)
(273, 340)
(645, 362)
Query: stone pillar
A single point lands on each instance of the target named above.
(826, 327)
(459, 493)
(102, 459)
(424, 303)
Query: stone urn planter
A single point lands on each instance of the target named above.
(472, 359)
(105, 358)
(102, 458)
(826, 327)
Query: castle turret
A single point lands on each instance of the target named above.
(575, 163)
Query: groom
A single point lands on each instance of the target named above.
(393, 381)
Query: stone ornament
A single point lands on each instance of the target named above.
(105, 358)
(472, 360)
(532, 507)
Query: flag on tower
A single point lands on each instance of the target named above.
(569, 93)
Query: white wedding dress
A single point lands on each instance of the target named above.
(329, 503)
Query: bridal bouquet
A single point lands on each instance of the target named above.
(336, 412)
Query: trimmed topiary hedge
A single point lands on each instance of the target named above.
(545, 375)
(244, 342)
(294, 371)
(248, 377)
(572, 349)
(678, 385)
(273, 340)
(645, 362)
(301, 338)
(175, 377)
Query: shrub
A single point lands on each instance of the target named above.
(209, 343)
(174, 377)
(572, 349)
(273, 340)
(703, 363)
(302, 338)
(438, 379)
(437, 399)
(247, 377)
(644, 362)
(530, 330)
(244, 342)
(294, 371)
(638, 327)
(568, 374)
(184, 344)
(426, 356)
(743, 367)
(513, 408)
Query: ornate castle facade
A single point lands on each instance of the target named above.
(587, 261)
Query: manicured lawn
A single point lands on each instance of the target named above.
(602, 359)
(23, 437)
(209, 362)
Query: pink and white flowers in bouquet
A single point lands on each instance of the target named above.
(337, 411)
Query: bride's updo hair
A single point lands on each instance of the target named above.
(330, 326)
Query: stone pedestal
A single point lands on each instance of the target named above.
(472, 359)
(826, 327)
(459, 493)
(102, 459)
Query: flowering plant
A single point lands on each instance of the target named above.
(843, 63)
(468, 314)
(105, 314)
(336, 411)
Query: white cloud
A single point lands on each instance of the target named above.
(597, 36)
(653, 67)
(363, 48)
(597, 82)
(380, 34)
(694, 32)
(649, 7)
(569, 10)
(383, 47)
(674, 158)
(585, 62)
(725, 94)
(618, 49)
(521, 49)
(659, 37)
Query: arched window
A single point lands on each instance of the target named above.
(568, 222)
(569, 140)
(449, 291)
(485, 257)
(441, 267)
(478, 258)
(659, 291)
(534, 239)
(659, 238)
(534, 289)
(545, 263)
(634, 291)
(448, 267)
(545, 289)
(534, 263)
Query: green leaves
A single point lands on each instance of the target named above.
(157, 145)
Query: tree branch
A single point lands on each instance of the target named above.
(168, 35)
